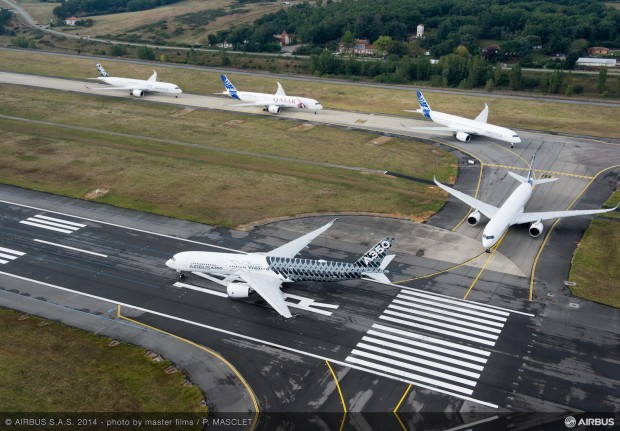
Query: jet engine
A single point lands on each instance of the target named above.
(137, 93)
(473, 218)
(536, 229)
(239, 290)
(273, 109)
(462, 136)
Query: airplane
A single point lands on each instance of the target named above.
(263, 273)
(511, 212)
(463, 128)
(136, 87)
(270, 102)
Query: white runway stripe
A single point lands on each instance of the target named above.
(457, 302)
(410, 361)
(457, 329)
(46, 227)
(71, 248)
(15, 252)
(53, 223)
(410, 376)
(437, 330)
(427, 339)
(8, 255)
(201, 289)
(435, 316)
(411, 367)
(458, 311)
(60, 220)
(425, 347)
(420, 352)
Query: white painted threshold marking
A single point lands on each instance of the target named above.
(456, 329)
(8, 250)
(45, 227)
(456, 312)
(427, 339)
(70, 248)
(407, 375)
(436, 316)
(372, 368)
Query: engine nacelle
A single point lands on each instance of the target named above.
(238, 290)
(462, 136)
(536, 229)
(473, 218)
(273, 109)
(137, 93)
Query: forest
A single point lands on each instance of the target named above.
(554, 25)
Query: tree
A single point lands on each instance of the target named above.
(515, 77)
(490, 86)
(384, 44)
(348, 40)
(497, 74)
(600, 81)
(145, 53)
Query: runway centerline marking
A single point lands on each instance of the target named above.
(70, 248)
(372, 369)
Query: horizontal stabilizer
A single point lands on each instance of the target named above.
(388, 259)
(377, 276)
(534, 182)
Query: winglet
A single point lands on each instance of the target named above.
(280, 91)
(153, 77)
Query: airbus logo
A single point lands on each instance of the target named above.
(571, 422)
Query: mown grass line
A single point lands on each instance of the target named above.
(39, 373)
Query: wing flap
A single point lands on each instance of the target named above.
(268, 287)
(484, 208)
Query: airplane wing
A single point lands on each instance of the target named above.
(114, 88)
(448, 128)
(484, 208)
(268, 287)
(266, 103)
(291, 249)
(533, 217)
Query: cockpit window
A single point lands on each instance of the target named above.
(515, 136)
(488, 237)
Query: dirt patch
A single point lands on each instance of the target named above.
(233, 122)
(97, 193)
(302, 127)
(182, 112)
(380, 140)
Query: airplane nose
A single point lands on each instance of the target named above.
(169, 263)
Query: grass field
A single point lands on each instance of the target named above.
(168, 23)
(40, 11)
(595, 266)
(546, 116)
(190, 181)
(48, 367)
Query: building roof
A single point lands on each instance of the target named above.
(597, 61)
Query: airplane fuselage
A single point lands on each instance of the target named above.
(475, 127)
(506, 215)
(140, 84)
(294, 102)
(287, 269)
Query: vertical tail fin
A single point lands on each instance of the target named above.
(373, 257)
(230, 88)
(426, 110)
(530, 173)
(101, 70)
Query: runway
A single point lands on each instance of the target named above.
(498, 350)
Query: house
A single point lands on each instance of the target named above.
(284, 38)
(596, 62)
(420, 31)
(71, 20)
(361, 47)
(600, 50)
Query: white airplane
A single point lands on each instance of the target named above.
(511, 212)
(136, 87)
(463, 128)
(264, 273)
(270, 102)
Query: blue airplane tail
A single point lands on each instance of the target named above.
(230, 88)
(426, 110)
